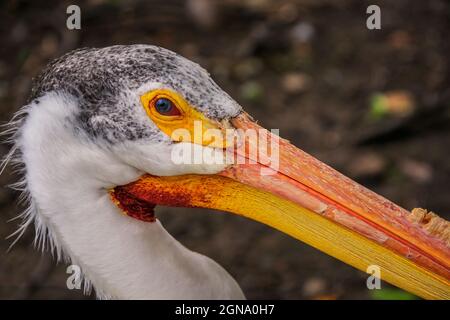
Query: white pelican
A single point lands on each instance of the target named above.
(96, 142)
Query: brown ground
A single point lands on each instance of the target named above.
(307, 67)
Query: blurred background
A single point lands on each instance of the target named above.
(373, 104)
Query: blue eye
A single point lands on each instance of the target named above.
(164, 106)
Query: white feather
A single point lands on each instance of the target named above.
(66, 181)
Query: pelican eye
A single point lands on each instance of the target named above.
(166, 107)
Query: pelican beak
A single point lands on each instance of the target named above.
(301, 196)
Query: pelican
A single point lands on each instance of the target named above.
(99, 145)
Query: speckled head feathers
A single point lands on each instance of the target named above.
(101, 80)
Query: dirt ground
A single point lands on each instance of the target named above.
(373, 104)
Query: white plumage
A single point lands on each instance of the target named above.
(69, 178)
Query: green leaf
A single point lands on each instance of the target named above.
(378, 107)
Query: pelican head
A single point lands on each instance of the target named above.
(111, 133)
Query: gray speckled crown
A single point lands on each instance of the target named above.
(98, 76)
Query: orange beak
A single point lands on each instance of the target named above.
(311, 202)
